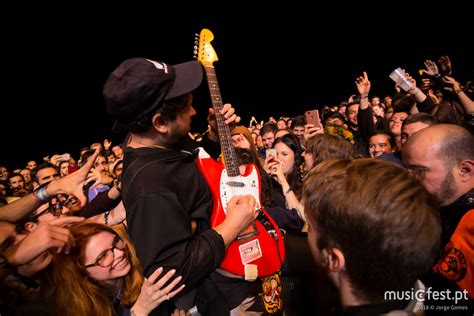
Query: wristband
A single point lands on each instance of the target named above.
(366, 96)
(106, 217)
(287, 192)
(41, 194)
(458, 90)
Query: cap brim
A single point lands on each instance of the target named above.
(188, 78)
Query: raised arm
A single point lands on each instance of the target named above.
(466, 102)
(71, 184)
(363, 86)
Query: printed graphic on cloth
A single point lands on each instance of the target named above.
(271, 296)
(457, 262)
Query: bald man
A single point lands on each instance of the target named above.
(441, 157)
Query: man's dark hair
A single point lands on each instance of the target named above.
(420, 117)
(299, 120)
(44, 165)
(382, 220)
(403, 103)
(390, 137)
(268, 128)
(169, 110)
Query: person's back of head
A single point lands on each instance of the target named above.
(403, 103)
(449, 112)
(326, 146)
(371, 225)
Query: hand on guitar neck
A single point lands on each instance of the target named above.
(241, 212)
(230, 118)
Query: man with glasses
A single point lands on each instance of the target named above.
(441, 157)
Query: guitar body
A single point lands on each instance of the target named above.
(271, 252)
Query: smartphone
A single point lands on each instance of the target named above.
(271, 152)
(312, 117)
(65, 157)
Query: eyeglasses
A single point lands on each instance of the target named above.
(107, 257)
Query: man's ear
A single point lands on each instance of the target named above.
(335, 261)
(30, 226)
(158, 125)
(466, 170)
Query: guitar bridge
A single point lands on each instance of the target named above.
(249, 233)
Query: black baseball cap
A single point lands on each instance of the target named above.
(138, 86)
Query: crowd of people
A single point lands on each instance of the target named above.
(377, 197)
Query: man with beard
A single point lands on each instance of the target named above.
(441, 157)
(372, 235)
(168, 201)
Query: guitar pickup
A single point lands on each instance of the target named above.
(235, 184)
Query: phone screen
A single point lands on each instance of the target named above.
(271, 152)
(312, 117)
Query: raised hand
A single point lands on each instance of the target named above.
(431, 68)
(72, 184)
(229, 114)
(47, 235)
(363, 84)
(107, 144)
(446, 65)
(153, 292)
(98, 177)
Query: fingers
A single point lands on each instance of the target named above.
(180, 312)
(66, 220)
(172, 285)
(89, 179)
(165, 279)
(155, 275)
(229, 114)
(173, 293)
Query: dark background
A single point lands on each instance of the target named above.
(270, 64)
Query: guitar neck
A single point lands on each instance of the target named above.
(228, 150)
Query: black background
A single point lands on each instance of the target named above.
(274, 62)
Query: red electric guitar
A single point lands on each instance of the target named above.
(259, 250)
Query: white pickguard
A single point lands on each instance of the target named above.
(247, 185)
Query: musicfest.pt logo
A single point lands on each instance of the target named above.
(428, 294)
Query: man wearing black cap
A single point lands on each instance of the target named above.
(168, 202)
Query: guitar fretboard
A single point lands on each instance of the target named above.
(228, 151)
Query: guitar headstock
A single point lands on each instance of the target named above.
(203, 50)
